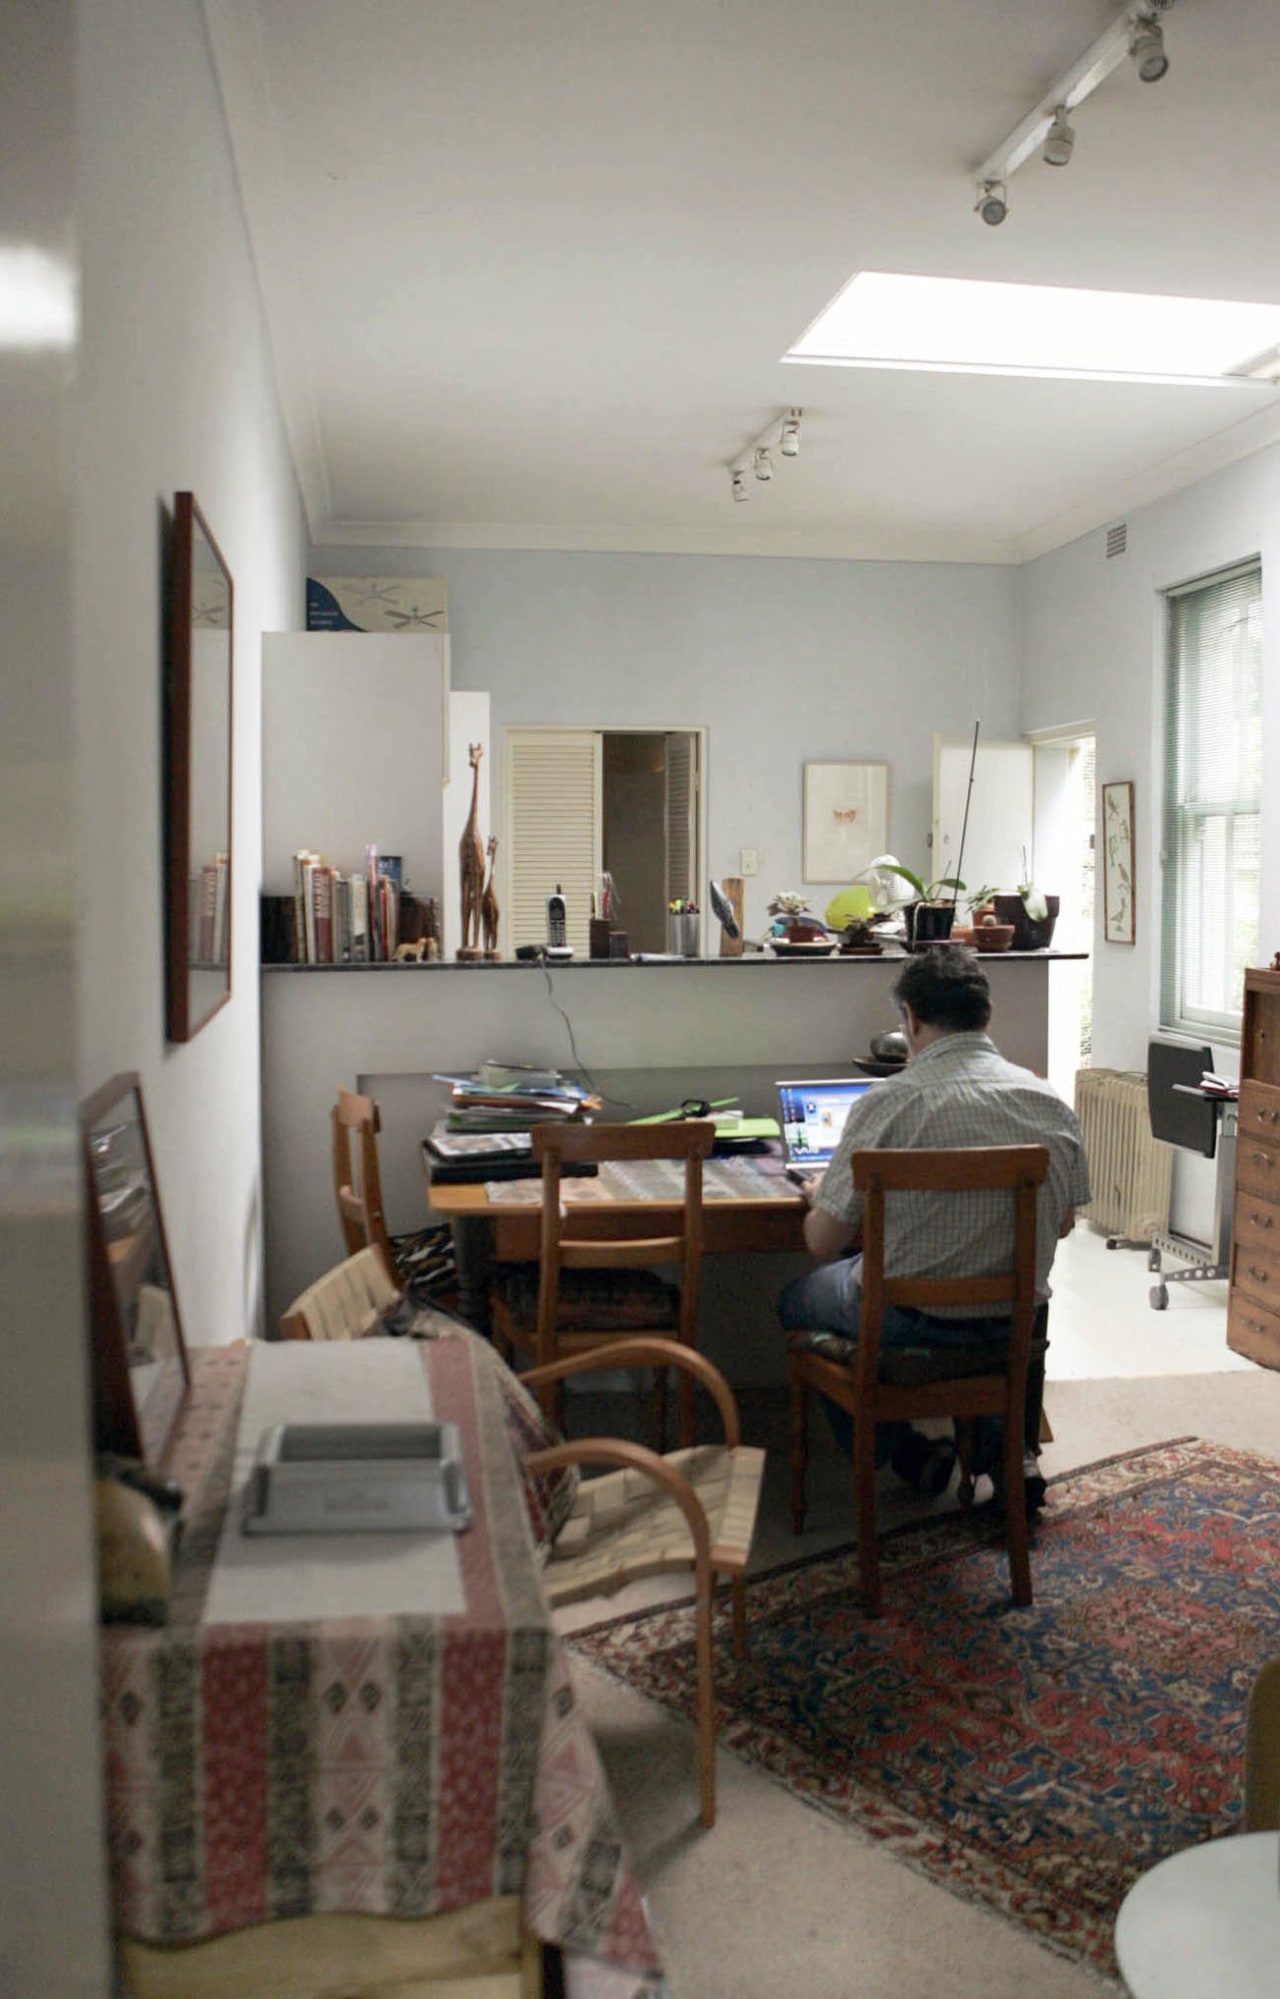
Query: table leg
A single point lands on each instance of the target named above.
(473, 1255)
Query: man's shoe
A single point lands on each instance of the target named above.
(925, 1463)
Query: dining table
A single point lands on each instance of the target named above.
(369, 1724)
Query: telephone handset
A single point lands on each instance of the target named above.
(556, 935)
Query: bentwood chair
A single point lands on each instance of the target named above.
(984, 1380)
(422, 1259)
(648, 1514)
(587, 1290)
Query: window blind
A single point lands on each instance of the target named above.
(1213, 783)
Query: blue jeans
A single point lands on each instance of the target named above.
(829, 1299)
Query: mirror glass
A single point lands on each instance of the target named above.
(139, 1359)
(199, 776)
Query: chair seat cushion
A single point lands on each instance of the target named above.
(909, 1367)
(594, 1301)
(623, 1525)
(425, 1260)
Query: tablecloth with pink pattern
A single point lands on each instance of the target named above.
(395, 1766)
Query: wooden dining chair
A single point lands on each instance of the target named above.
(1262, 1752)
(420, 1259)
(345, 1303)
(986, 1380)
(595, 1281)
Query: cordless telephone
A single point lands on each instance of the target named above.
(558, 945)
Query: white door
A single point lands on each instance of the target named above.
(553, 827)
(998, 839)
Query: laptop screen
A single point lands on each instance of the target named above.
(814, 1113)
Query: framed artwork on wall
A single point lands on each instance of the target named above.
(846, 819)
(1117, 863)
(197, 777)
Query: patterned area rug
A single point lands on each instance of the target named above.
(1034, 1760)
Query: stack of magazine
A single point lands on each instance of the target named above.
(485, 1134)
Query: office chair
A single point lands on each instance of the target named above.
(1182, 1114)
(985, 1381)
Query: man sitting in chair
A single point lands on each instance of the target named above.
(956, 1090)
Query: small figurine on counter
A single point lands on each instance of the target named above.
(471, 863)
(489, 906)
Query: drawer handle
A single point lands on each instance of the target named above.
(1253, 1325)
(1267, 1117)
(1260, 1220)
(1262, 1159)
(1260, 1275)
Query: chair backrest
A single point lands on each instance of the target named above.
(355, 1123)
(1019, 1171)
(1173, 1069)
(1262, 1752)
(344, 1303)
(573, 1239)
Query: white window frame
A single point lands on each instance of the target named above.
(1181, 817)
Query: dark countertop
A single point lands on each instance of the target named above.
(613, 965)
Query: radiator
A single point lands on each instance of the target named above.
(1130, 1172)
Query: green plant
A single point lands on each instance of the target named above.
(980, 896)
(1032, 898)
(925, 891)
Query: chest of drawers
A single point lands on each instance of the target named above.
(1253, 1305)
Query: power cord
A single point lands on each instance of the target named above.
(578, 1062)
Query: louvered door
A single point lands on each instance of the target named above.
(553, 821)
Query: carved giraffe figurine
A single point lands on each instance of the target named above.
(471, 863)
(489, 906)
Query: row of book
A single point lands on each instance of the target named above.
(208, 927)
(343, 919)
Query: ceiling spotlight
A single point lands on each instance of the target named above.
(1059, 140)
(992, 204)
(763, 463)
(789, 435)
(740, 491)
(1146, 49)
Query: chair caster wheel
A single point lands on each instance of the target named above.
(1159, 1296)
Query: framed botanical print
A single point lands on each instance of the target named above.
(1117, 863)
(846, 819)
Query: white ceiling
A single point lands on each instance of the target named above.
(529, 268)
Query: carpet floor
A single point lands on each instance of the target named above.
(1031, 1761)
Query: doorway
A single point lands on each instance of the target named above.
(1065, 835)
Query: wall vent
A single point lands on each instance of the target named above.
(1117, 539)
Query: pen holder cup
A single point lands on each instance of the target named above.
(598, 928)
(682, 935)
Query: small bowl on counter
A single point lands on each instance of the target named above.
(992, 936)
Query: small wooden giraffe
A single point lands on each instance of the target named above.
(489, 906)
(471, 863)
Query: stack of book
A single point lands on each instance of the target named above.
(507, 1097)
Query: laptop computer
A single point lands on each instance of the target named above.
(813, 1117)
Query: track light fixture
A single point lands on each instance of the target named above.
(992, 203)
(782, 435)
(1146, 49)
(1136, 34)
(1059, 140)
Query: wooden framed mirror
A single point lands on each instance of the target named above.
(198, 711)
(139, 1359)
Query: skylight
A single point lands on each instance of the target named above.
(884, 320)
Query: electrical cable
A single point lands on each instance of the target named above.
(578, 1062)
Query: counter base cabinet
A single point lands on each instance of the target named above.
(1253, 1306)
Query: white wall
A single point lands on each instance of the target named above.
(782, 661)
(178, 393)
(1092, 647)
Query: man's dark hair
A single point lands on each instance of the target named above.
(945, 988)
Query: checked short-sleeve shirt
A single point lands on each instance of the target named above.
(960, 1091)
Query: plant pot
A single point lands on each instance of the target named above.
(929, 922)
(1028, 933)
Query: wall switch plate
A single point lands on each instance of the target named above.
(749, 861)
